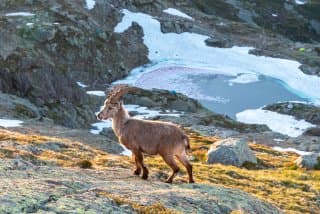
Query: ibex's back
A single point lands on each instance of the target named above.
(143, 136)
(153, 137)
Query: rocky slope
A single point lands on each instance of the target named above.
(47, 168)
(112, 190)
(51, 169)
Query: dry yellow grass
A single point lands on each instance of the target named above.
(274, 178)
(156, 208)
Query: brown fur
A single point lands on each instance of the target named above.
(149, 137)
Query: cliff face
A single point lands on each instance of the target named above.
(45, 53)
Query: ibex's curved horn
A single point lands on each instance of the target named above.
(117, 92)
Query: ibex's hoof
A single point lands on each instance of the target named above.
(191, 182)
(144, 177)
(137, 172)
(168, 181)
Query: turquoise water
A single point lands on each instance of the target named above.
(238, 97)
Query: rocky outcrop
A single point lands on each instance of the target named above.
(44, 55)
(313, 132)
(309, 161)
(231, 152)
(16, 107)
(301, 111)
(195, 116)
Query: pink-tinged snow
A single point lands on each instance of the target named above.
(299, 152)
(176, 12)
(284, 124)
(176, 78)
(6, 123)
(189, 50)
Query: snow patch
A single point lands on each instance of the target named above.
(145, 113)
(245, 78)
(30, 24)
(99, 126)
(300, 2)
(176, 12)
(90, 4)
(10, 123)
(20, 14)
(82, 85)
(170, 48)
(284, 124)
(126, 152)
(299, 152)
(278, 140)
(96, 93)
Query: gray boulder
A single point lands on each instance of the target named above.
(231, 151)
(311, 161)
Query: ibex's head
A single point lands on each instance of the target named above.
(113, 103)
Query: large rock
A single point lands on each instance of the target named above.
(231, 151)
(64, 190)
(311, 161)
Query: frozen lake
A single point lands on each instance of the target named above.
(239, 97)
(219, 93)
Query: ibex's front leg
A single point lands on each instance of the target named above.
(139, 158)
(138, 167)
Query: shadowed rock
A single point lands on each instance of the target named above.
(231, 152)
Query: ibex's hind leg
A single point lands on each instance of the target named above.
(145, 171)
(172, 163)
(184, 160)
(138, 167)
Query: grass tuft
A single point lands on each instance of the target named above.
(85, 164)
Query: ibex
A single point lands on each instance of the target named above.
(144, 136)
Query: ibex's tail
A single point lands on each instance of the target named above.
(187, 142)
